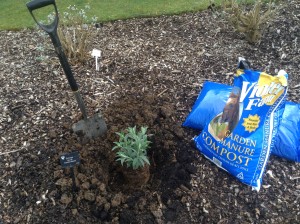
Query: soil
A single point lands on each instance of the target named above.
(152, 70)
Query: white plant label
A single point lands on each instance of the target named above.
(97, 54)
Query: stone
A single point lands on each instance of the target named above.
(85, 185)
(157, 213)
(89, 196)
(74, 211)
(65, 199)
(117, 200)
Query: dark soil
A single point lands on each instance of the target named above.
(152, 70)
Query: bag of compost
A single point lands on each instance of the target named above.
(287, 143)
(212, 100)
(240, 138)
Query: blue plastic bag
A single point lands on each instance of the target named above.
(287, 141)
(241, 137)
(287, 144)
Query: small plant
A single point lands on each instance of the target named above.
(133, 147)
(75, 32)
(41, 49)
(250, 23)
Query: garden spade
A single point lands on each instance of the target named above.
(88, 127)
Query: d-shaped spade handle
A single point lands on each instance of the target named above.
(51, 29)
(37, 4)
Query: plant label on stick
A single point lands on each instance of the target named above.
(70, 159)
(97, 54)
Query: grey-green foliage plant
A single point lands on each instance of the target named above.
(250, 22)
(41, 49)
(76, 31)
(132, 147)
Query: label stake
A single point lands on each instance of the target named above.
(97, 54)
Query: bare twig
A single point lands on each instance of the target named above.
(5, 153)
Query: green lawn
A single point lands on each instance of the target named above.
(14, 13)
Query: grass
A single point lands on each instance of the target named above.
(14, 14)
